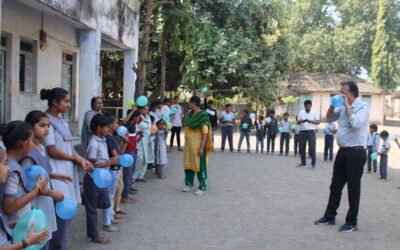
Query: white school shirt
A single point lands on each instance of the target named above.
(227, 117)
(332, 126)
(312, 116)
(176, 119)
(385, 146)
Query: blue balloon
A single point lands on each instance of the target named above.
(326, 130)
(172, 111)
(23, 226)
(374, 156)
(32, 173)
(126, 160)
(253, 116)
(337, 101)
(205, 90)
(245, 125)
(147, 133)
(66, 209)
(281, 129)
(122, 131)
(268, 120)
(142, 101)
(165, 117)
(102, 177)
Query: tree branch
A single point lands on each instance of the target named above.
(159, 3)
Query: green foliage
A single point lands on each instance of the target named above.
(383, 56)
(290, 100)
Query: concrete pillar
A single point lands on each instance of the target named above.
(89, 70)
(130, 58)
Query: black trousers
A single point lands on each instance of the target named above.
(285, 138)
(177, 131)
(328, 149)
(308, 136)
(95, 197)
(271, 143)
(296, 144)
(348, 168)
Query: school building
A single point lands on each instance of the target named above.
(320, 87)
(57, 43)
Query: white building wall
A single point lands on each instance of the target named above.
(23, 22)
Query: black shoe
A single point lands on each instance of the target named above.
(323, 221)
(301, 165)
(347, 228)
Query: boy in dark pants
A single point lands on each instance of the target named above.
(245, 131)
(272, 132)
(385, 148)
(227, 120)
(286, 134)
(296, 132)
(330, 131)
(261, 131)
(373, 143)
(94, 196)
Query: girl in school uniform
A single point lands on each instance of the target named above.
(62, 157)
(5, 227)
(17, 138)
(38, 156)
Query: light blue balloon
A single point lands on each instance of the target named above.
(165, 117)
(66, 209)
(337, 101)
(245, 125)
(253, 116)
(374, 156)
(126, 160)
(102, 177)
(32, 173)
(392, 137)
(326, 130)
(147, 133)
(142, 101)
(122, 131)
(172, 111)
(205, 90)
(281, 129)
(268, 119)
(23, 226)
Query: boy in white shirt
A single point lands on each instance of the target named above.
(385, 148)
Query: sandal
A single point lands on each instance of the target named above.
(111, 229)
(101, 240)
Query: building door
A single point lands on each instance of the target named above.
(66, 83)
(2, 81)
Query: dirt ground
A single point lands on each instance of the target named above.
(253, 201)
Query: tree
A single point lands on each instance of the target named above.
(150, 5)
(383, 49)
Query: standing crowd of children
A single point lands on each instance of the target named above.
(45, 139)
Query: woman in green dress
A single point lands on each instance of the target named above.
(198, 146)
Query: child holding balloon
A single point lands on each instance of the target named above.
(161, 149)
(272, 125)
(285, 128)
(17, 138)
(383, 152)
(373, 142)
(261, 131)
(38, 156)
(62, 156)
(32, 238)
(131, 149)
(114, 150)
(96, 192)
(245, 124)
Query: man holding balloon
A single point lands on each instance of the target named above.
(352, 115)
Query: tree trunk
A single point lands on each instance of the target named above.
(144, 49)
(163, 65)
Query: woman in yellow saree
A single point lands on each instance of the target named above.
(197, 146)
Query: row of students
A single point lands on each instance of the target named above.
(23, 142)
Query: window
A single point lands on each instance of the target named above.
(303, 98)
(67, 83)
(26, 68)
(367, 99)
